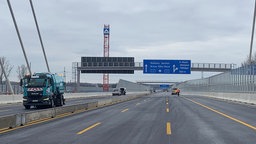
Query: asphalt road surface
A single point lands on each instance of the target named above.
(155, 119)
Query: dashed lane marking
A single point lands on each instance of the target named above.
(89, 128)
(124, 110)
(137, 104)
(168, 128)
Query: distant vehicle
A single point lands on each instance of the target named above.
(43, 89)
(116, 91)
(119, 91)
(123, 91)
(175, 91)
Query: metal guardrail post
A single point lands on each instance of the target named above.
(78, 81)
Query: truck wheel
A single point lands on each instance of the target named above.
(64, 100)
(27, 106)
(61, 101)
(51, 103)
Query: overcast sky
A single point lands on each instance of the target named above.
(204, 31)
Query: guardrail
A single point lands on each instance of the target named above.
(21, 119)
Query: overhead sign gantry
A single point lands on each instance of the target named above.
(126, 65)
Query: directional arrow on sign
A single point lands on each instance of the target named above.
(174, 68)
(146, 68)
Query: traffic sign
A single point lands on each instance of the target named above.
(167, 66)
(164, 86)
(106, 30)
(111, 65)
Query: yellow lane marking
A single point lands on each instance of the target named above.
(28, 124)
(35, 122)
(124, 110)
(39, 120)
(223, 114)
(7, 130)
(168, 128)
(167, 110)
(90, 127)
(4, 128)
(65, 114)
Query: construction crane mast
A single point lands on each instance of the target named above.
(106, 54)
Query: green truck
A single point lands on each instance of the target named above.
(43, 89)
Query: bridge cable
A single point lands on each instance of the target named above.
(18, 33)
(253, 25)
(39, 34)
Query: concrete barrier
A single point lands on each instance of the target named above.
(104, 102)
(92, 105)
(78, 107)
(70, 109)
(240, 97)
(31, 116)
(8, 121)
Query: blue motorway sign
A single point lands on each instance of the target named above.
(164, 86)
(167, 66)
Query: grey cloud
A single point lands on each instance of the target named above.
(146, 28)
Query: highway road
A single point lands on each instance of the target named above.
(154, 119)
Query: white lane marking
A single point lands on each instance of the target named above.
(3, 110)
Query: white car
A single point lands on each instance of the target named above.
(116, 91)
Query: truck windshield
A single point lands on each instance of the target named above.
(36, 82)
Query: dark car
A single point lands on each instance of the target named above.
(123, 91)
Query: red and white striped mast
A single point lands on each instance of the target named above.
(106, 54)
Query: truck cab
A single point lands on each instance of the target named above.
(43, 89)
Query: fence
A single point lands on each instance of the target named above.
(242, 79)
(4, 89)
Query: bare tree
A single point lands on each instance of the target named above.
(21, 71)
(247, 61)
(7, 68)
